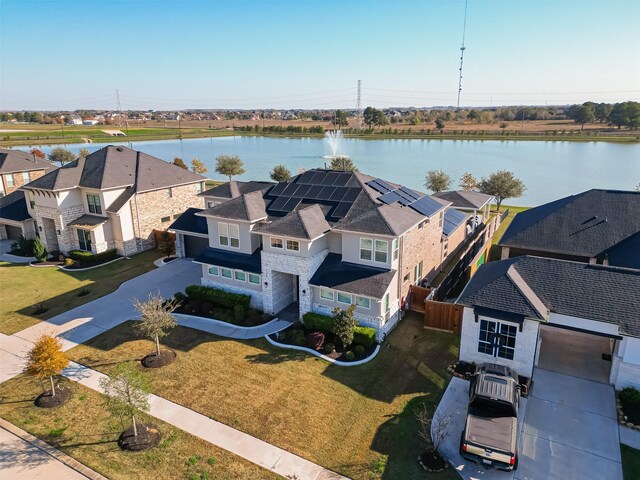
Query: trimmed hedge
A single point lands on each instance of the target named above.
(92, 258)
(218, 297)
(361, 335)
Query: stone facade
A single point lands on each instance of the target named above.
(256, 295)
(148, 208)
(67, 240)
(18, 181)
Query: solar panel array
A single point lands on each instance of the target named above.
(452, 218)
(318, 186)
(405, 197)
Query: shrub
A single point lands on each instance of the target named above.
(179, 298)
(296, 337)
(93, 258)
(39, 250)
(364, 336)
(206, 308)
(316, 321)
(239, 313)
(23, 246)
(217, 296)
(630, 396)
(349, 355)
(358, 350)
(329, 348)
(315, 340)
(68, 262)
(344, 324)
(191, 307)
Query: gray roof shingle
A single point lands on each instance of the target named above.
(595, 292)
(14, 207)
(14, 161)
(307, 223)
(465, 198)
(190, 222)
(235, 188)
(250, 207)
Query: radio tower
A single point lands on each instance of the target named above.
(120, 114)
(359, 104)
(462, 48)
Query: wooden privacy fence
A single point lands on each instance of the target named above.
(159, 234)
(443, 316)
(418, 297)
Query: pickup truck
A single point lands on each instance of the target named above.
(490, 437)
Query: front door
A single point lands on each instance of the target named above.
(296, 287)
(84, 240)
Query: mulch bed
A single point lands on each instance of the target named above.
(48, 263)
(78, 265)
(46, 400)
(153, 360)
(432, 462)
(148, 437)
(169, 259)
(194, 308)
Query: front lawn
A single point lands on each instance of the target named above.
(358, 421)
(630, 462)
(83, 429)
(22, 287)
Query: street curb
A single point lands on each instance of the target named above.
(54, 452)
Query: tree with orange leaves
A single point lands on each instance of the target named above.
(47, 359)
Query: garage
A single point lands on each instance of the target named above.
(13, 233)
(194, 246)
(576, 352)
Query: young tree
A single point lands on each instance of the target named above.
(198, 166)
(167, 244)
(83, 152)
(343, 164)
(369, 116)
(229, 165)
(39, 250)
(36, 152)
(437, 181)
(178, 162)
(502, 184)
(127, 391)
(280, 173)
(439, 123)
(341, 119)
(503, 125)
(431, 428)
(46, 359)
(61, 155)
(155, 317)
(344, 323)
(468, 182)
(584, 114)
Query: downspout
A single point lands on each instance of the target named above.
(135, 199)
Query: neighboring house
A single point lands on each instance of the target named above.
(479, 204)
(324, 239)
(561, 315)
(113, 198)
(74, 120)
(17, 168)
(228, 190)
(596, 226)
(90, 122)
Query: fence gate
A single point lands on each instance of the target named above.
(443, 316)
(418, 297)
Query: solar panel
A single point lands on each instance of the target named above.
(322, 178)
(302, 191)
(331, 178)
(342, 180)
(338, 194)
(277, 189)
(351, 195)
(278, 203)
(326, 193)
(383, 184)
(408, 193)
(452, 219)
(341, 209)
(306, 177)
(313, 192)
(291, 204)
(426, 206)
(380, 185)
(390, 198)
(290, 189)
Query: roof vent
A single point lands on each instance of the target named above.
(120, 149)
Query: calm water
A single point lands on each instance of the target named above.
(550, 170)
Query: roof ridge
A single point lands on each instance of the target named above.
(526, 291)
(302, 222)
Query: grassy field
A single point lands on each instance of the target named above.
(359, 421)
(84, 430)
(23, 286)
(494, 254)
(630, 462)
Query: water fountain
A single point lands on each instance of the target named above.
(333, 137)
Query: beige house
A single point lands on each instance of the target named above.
(113, 198)
(323, 239)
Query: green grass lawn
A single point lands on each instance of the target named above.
(358, 421)
(494, 254)
(83, 429)
(630, 462)
(24, 286)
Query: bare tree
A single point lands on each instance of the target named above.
(155, 317)
(433, 428)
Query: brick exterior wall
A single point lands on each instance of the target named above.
(152, 206)
(456, 239)
(18, 181)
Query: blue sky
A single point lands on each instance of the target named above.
(305, 54)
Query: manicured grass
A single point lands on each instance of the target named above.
(24, 286)
(494, 254)
(358, 421)
(630, 462)
(83, 429)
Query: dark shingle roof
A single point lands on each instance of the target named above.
(13, 161)
(112, 167)
(122, 199)
(307, 223)
(452, 220)
(190, 222)
(88, 221)
(14, 207)
(249, 207)
(465, 198)
(352, 278)
(588, 224)
(234, 189)
(224, 258)
(595, 292)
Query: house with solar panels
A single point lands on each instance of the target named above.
(324, 239)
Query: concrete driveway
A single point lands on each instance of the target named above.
(5, 255)
(91, 319)
(570, 430)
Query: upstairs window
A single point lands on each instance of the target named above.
(293, 245)
(26, 177)
(9, 178)
(229, 234)
(366, 249)
(93, 202)
(376, 250)
(396, 242)
(381, 251)
(277, 242)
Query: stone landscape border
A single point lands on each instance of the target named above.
(621, 416)
(66, 269)
(324, 357)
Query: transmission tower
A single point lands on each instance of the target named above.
(359, 104)
(120, 114)
(462, 48)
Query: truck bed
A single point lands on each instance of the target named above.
(494, 433)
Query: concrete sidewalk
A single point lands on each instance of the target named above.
(629, 437)
(228, 330)
(244, 445)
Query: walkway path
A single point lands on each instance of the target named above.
(224, 329)
(630, 437)
(24, 457)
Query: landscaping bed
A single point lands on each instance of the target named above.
(78, 259)
(629, 407)
(216, 304)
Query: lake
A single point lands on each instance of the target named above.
(550, 170)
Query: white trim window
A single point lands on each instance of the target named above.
(26, 177)
(9, 178)
(417, 273)
(226, 272)
(277, 242)
(240, 276)
(254, 278)
(229, 234)
(293, 245)
(366, 249)
(345, 298)
(326, 294)
(215, 271)
(382, 248)
(497, 339)
(363, 302)
(198, 187)
(93, 202)
(396, 246)
(385, 303)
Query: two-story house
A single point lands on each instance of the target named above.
(323, 239)
(113, 198)
(17, 168)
